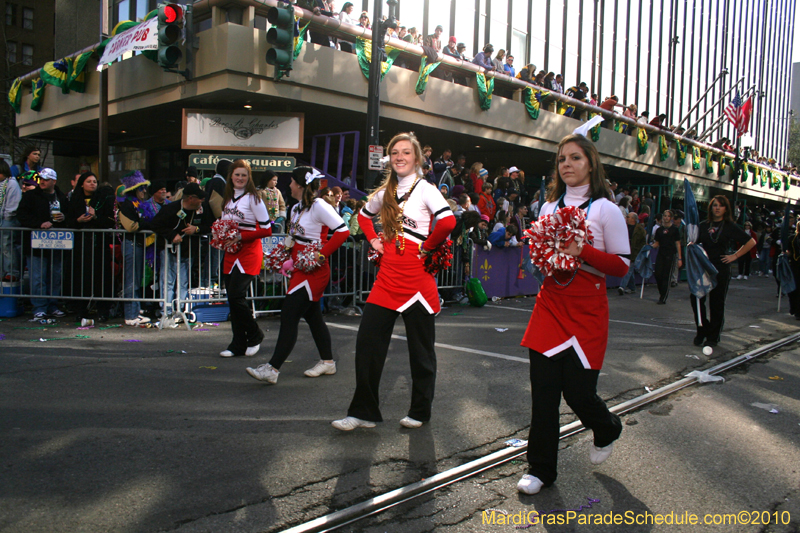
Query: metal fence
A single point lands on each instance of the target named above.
(103, 271)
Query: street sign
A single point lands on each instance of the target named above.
(375, 155)
(258, 163)
(52, 240)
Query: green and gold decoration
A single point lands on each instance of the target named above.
(57, 73)
(776, 181)
(709, 163)
(298, 47)
(756, 176)
(595, 131)
(77, 77)
(766, 178)
(786, 183)
(680, 153)
(15, 95)
(533, 99)
(745, 172)
(695, 158)
(364, 54)
(425, 70)
(663, 148)
(641, 140)
(37, 90)
(721, 167)
(485, 90)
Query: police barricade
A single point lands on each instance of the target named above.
(101, 273)
(202, 297)
(450, 281)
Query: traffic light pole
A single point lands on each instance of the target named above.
(374, 95)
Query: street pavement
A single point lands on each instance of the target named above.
(122, 431)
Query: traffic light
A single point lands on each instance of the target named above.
(281, 37)
(171, 20)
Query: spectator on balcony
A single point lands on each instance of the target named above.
(435, 39)
(630, 112)
(558, 84)
(30, 160)
(451, 49)
(644, 118)
(578, 92)
(508, 67)
(484, 58)
(549, 81)
(44, 208)
(526, 74)
(346, 18)
(486, 203)
(363, 20)
(461, 47)
(593, 100)
(658, 122)
(499, 60)
(609, 104)
(539, 80)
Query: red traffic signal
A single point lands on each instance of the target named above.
(171, 14)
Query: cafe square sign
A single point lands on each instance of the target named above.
(205, 129)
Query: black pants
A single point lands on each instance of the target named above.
(244, 327)
(663, 273)
(372, 345)
(744, 263)
(549, 379)
(297, 306)
(711, 329)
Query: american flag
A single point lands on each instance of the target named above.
(738, 114)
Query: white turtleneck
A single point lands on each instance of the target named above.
(609, 231)
(424, 205)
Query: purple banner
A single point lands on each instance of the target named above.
(500, 273)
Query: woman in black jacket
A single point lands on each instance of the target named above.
(92, 208)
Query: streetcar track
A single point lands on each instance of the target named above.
(388, 500)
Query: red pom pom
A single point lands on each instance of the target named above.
(373, 256)
(308, 260)
(555, 232)
(440, 258)
(279, 255)
(221, 232)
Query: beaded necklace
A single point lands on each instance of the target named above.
(400, 239)
(717, 230)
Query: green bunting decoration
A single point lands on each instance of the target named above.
(641, 140)
(425, 70)
(37, 90)
(298, 47)
(533, 99)
(15, 95)
(680, 152)
(786, 183)
(756, 176)
(663, 148)
(595, 131)
(709, 163)
(745, 172)
(485, 90)
(766, 177)
(721, 166)
(364, 54)
(77, 78)
(776, 181)
(57, 73)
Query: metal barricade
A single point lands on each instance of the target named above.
(100, 269)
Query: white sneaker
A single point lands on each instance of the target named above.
(529, 484)
(252, 350)
(410, 423)
(226, 353)
(349, 423)
(598, 455)
(321, 368)
(143, 319)
(264, 372)
(739, 276)
(745, 277)
(621, 290)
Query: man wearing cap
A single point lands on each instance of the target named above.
(191, 175)
(130, 217)
(178, 224)
(517, 183)
(434, 40)
(43, 208)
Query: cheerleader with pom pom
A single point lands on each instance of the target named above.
(408, 207)
(239, 231)
(567, 334)
(307, 264)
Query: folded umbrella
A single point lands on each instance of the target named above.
(701, 274)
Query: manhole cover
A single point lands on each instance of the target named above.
(674, 321)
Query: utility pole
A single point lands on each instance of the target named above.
(102, 119)
(374, 98)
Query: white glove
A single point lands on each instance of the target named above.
(488, 246)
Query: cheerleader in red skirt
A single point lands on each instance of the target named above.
(415, 219)
(308, 226)
(568, 330)
(243, 204)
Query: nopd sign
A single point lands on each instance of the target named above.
(52, 240)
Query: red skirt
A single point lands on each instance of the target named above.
(571, 317)
(402, 281)
(313, 283)
(249, 259)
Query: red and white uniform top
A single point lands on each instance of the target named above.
(309, 225)
(573, 313)
(402, 279)
(251, 215)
